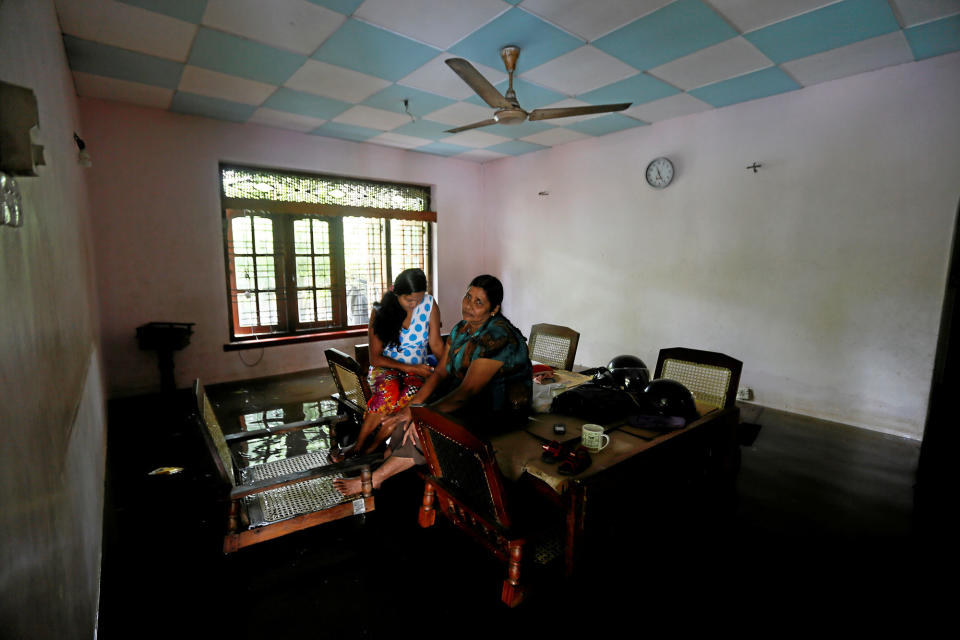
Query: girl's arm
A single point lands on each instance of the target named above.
(377, 359)
(435, 341)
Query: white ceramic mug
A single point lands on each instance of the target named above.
(593, 438)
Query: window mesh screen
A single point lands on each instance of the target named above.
(260, 184)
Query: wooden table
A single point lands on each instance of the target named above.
(707, 445)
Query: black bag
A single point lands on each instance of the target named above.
(596, 403)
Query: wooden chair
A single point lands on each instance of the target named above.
(353, 391)
(553, 345)
(712, 377)
(281, 496)
(465, 485)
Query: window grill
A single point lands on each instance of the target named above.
(263, 184)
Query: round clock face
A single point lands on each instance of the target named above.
(660, 173)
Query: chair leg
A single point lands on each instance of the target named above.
(428, 513)
(512, 593)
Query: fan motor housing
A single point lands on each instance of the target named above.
(510, 116)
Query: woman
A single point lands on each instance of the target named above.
(404, 323)
(484, 378)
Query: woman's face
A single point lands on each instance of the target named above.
(410, 301)
(476, 307)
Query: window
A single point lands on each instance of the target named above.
(307, 255)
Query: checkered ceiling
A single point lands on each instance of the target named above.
(343, 68)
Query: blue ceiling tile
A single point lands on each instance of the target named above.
(531, 96)
(360, 46)
(751, 86)
(345, 131)
(238, 56)
(934, 38)
(305, 104)
(676, 30)
(524, 129)
(104, 60)
(832, 26)
(346, 7)
(605, 124)
(636, 89)
(539, 41)
(516, 147)
(423, 128)
(420, 102)
(197, 105)
(443, 149)
(186, 10)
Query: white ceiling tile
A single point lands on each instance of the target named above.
(733, 57)
(590, 20)
(364, 116)
(475, 138)
(481, 155)
(867, 55)
(285, 120)
(916, 12)
(681, 104)
(436, 77)
(440, 23)
(294, 25)
(582, 70)
(555, 136)
(460, 113)
(335, 82)
(94, 86)
(747, 15)
(128, 27)
(221, 85)
(398, 140)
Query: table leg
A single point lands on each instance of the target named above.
(574, 507)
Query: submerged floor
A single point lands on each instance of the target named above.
(823, 527)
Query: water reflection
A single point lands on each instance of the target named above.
(279, 447)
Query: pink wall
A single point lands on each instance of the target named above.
(157, 231)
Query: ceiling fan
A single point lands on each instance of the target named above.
(508, 109)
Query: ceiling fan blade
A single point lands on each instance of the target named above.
(475, 125)
(469, 74)
(563, 112)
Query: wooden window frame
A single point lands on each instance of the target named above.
(289, 329)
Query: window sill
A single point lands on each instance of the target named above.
(279, 341)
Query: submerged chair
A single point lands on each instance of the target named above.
(465, 485)
(713, 378)
(353, 391)
(281, 496)
(553, 345)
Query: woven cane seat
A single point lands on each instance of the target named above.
(553, 345)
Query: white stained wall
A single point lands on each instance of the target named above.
(52, 458)
(824, 272)
(157, 227)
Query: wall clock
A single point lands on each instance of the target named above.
(659, 173)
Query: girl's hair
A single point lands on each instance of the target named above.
(390, 315)
(492, 287)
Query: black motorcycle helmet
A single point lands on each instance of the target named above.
(629, 372)
(667, 397)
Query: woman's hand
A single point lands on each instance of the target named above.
(423, 370)
(404, 416)
(409, 433)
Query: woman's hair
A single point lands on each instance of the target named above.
(492, 287)
(390, 315)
